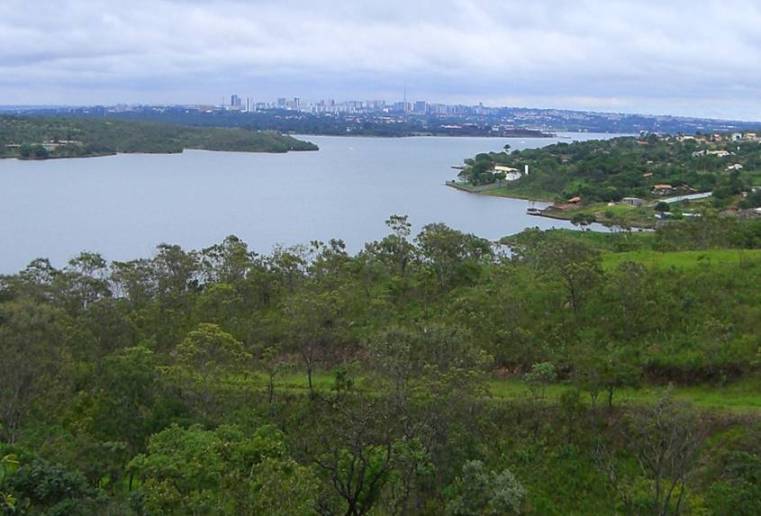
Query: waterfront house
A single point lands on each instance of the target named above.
(511, 174)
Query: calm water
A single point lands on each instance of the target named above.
(122, 206)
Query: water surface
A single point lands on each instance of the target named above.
(123, 206)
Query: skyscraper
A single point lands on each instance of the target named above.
(235, 101)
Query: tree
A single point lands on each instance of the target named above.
(33, 349)
(228, 262)
(355, 449)
(666, 439)
(224, 471)
(540, 376)
(128, 389)
(479, 492)
(601, 369)
(41, 487)
(204, 357)
(313, 328)
(8, 466)
(577, 265)
(451, 254)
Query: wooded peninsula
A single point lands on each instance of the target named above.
(45, 138)
(578, 373)
(628, 181)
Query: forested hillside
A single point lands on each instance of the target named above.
(433, 374)
(41, 138)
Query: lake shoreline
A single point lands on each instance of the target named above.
(169, 153)
(566, 216)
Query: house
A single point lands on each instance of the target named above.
(662, 189)
(736, 137)
(511, 174)
(734, 167)
(719, 153)
(647, 174)
(632, 201)
(751, 137)
(574, 200)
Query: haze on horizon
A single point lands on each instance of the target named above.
(678, 57)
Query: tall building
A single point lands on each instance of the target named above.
(235, 101)
(421, 106)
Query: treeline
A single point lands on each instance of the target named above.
(608, 170)
(311, 381)
(41, 138)
(332, 124)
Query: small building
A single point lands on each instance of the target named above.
(511, 174)
(505, 169)
(662, 189)
(736, 137)
(574, 200)
(633, 201)
(734, 167)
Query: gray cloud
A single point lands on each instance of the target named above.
(680, 56)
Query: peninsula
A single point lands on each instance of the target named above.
(57, 137)
(627, 181)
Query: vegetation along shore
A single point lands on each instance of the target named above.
(627, 181)
(45, 138)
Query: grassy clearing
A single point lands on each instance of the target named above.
(743, 397)
(740, 397)
(518, 192)
(614, 242)
(683, 259)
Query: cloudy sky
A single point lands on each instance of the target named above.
(690, 57)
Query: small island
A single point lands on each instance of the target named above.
(62, 137)
(626, 181)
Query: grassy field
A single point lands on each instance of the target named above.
(683, 259)
(743, 397)
(527, 193)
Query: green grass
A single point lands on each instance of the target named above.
(618, 214)
(682, 259)
(525, 192)
(740, 397)
(743, 396)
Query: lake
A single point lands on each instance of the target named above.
(123, 206)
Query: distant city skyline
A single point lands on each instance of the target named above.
(678, 58)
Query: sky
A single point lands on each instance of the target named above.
(693, 58)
